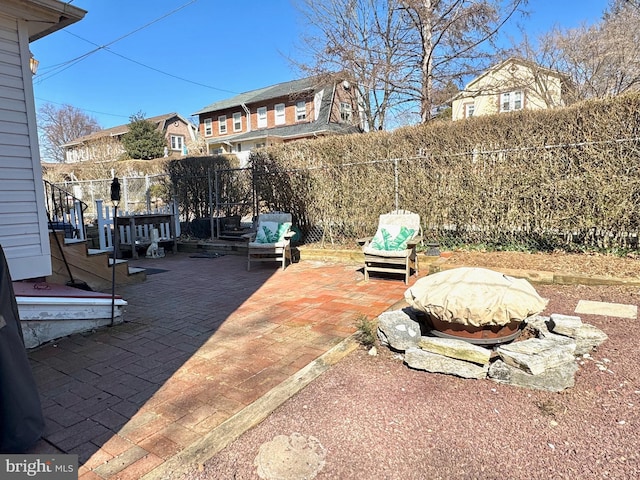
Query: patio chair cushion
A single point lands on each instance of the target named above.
(271, 232)
(392, 238)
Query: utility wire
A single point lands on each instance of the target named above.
(59, 68)
(73, 61)
(155, 69)
(85, 109)
(171, 74)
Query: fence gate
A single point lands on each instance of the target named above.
(233, 201)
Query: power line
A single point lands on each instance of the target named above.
(172, 75)
(193, 82)
(73, 61)
(59, 68)
(84, 109)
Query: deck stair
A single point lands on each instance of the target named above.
(89, 265)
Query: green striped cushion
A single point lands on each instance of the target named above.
(272, 232)
(392, 238)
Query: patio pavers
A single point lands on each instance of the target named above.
(202, 341)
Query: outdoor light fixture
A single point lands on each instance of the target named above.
(115, 199)
(115, 192)
(33, 64)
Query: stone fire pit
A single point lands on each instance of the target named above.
(464, 322)
(475, 304)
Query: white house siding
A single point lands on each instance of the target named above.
(23, 223)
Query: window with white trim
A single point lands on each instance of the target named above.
(177, 142)
(345, 112)
(262, 117)
(279, 111)
(469, 110)
(208, 127)
(222, 124)
(301, 111)
(510, 101)
(237, 122)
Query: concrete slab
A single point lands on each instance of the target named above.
(620, 310)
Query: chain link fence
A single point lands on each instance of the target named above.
(539, 198)
(138, 194)
(573, 196)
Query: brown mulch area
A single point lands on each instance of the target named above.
(377, 418)
(557, 262)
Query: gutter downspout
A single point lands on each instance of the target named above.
(331, 105)
(248, 112)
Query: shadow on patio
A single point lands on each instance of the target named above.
(203, 339)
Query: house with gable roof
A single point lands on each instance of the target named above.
(512, 85)
(106, 144)
(289, 111)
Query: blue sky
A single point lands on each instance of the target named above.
(202, 51)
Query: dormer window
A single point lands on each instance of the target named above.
(345, 112)
(301, 111)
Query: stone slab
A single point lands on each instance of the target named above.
(588, 338)
(553, 380)
(620, 310)
(564, 324)
(398, 329)
(536, 356)
(454, 348)
(434, 363)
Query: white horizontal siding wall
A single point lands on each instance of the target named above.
(23, 225)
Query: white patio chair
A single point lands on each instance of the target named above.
(393, 248)
(272, 240)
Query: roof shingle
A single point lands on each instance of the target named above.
(262, 94)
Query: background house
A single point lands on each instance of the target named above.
(23, 220)
(106, 144)
(514, 84)
(283, 112)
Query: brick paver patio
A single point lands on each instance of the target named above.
(203, 339)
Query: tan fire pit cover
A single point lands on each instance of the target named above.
(475, 296)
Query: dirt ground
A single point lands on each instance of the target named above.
(557, 262)
(372, 417)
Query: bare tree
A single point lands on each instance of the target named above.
(402, 53)
(618, 6)
(61, 125)
(602, 59)
(362, 39)
(453, 39)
